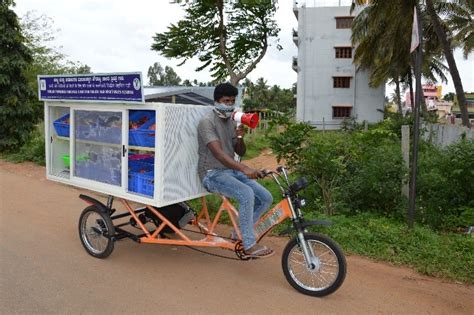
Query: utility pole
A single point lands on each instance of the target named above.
(416, 128)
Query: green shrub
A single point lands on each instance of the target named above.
(289, 143)
(325, 162)
(32, 150)
(375, 173)
(445, 185)
(351, 170)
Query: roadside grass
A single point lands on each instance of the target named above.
(448, 255)
(255, 143)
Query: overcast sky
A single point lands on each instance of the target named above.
(116, 35)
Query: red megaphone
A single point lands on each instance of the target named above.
(250, 120)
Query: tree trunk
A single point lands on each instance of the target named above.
(397, 91)
(448, 53)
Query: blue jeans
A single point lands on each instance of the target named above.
(253, 198)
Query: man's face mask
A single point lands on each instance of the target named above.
(223, 110)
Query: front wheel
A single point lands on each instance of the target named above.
(326, 271)
(96, 231)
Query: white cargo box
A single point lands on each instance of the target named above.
(146, 153)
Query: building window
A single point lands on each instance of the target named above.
(341, 111)
(344, 22)
(343, 52)
(342, 82)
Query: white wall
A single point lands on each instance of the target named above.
(317, 65)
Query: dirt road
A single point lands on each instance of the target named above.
(44, 269)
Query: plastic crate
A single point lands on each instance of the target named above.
(141, 177)
(136, 115)
(106, 173)
(142, 183)
(61, 125)
(142, 136)
(145, 158)
(98, 126)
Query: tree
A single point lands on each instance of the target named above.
(187, 83)
(229, 36)
(379, 25)
(157, 76)
(17, 116)
(39, 33)
(170, 77)
(261, 96)
(387, 28)
(448, 53)
(449, 97)
(461, 24)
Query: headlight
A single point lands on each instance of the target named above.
(302, 202)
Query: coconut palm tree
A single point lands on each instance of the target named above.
(459, 19)
(386, 32)
(445, 36)
(382, 39)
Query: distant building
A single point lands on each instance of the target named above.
(431, 93)
(330, 87)
(443, 108)
(470, 107)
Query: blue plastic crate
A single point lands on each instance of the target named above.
(142, 136)
(141, 177)
(142, 183)
(61, 125)
(140, 166)
(136, 115)
(146, 158)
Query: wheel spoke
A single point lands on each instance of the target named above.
(93, 227)
(317, 279)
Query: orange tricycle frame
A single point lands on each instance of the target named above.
(203, 221)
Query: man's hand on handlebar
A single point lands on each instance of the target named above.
(251, 172)
(263, 173)
(257, 174)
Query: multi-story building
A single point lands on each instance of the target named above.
(431, 93)
(470, 107)
(330, 87)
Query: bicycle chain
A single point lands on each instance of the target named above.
(238, 250)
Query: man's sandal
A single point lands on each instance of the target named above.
(259, 252)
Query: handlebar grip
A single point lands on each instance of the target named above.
(264, 173)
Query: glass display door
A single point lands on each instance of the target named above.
(98, 148)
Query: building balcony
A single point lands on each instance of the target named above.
(294, 64)
(295, 37)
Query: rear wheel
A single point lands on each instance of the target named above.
(326, 271)
(96, 231)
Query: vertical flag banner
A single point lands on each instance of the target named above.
(415, 37)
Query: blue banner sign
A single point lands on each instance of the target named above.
(112, 87)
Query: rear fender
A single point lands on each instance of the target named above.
(94, 202)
